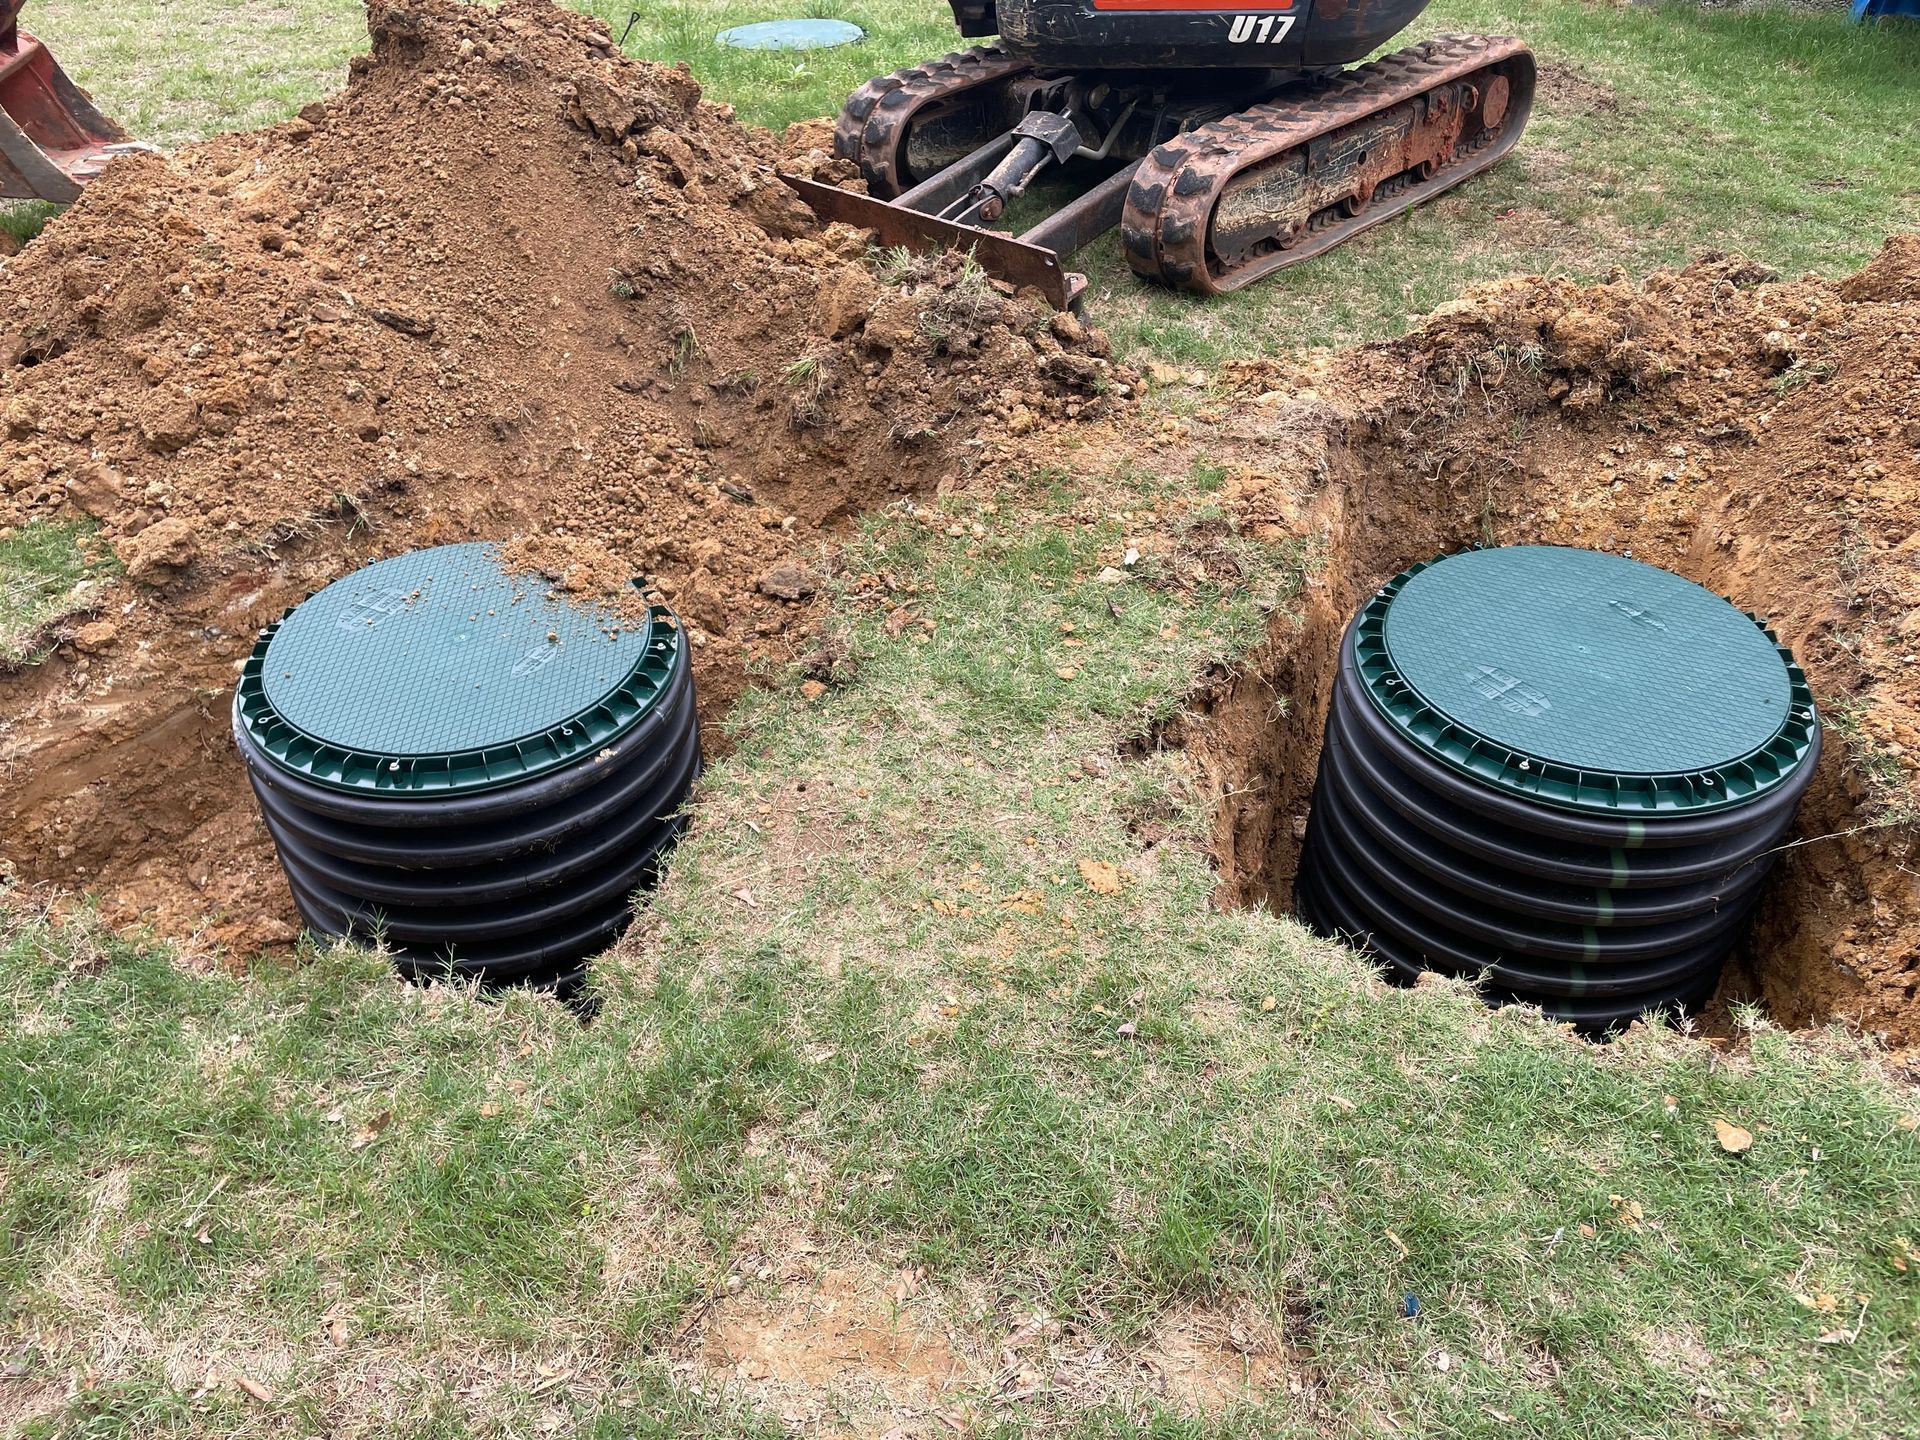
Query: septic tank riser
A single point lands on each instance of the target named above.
(473, 777)
(1467, 820)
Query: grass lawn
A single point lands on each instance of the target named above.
(875, 1025)
(1068, 1138)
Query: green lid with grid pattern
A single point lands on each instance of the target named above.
(1584, 680)
(439, 672)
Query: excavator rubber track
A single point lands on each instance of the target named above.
(1230, 202)
(878, 118)
(1228, 199)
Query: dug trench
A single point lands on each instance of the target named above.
(1757, 437)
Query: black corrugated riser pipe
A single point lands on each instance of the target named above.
(1595, 918)
(516, 885)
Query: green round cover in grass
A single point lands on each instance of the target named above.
(1581, 678)
(437, 670)
(802, 34)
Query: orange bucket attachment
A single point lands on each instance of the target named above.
(52, 140)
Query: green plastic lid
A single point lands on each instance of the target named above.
(439, 672)
(1584, 680)
(800, 34)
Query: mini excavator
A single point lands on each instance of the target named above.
(52, 139)
(1226, 141)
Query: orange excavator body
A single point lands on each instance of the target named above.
(52, 139)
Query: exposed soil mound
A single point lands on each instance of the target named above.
(1762, 438)
(1892, 276)
(508, 285)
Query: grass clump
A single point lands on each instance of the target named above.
(810, 382)
(959, 303)
(1893, 797)
(684, 347)
(45, 570)
(897, 265)
(1807, 373)
(23, 220)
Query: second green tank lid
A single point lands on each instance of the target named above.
(1584, 680)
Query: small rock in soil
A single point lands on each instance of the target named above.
(171, 426)
(160, 551)
(91, 639)
(789, 582)
(94, 489)
(405, 324)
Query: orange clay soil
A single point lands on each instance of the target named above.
(508, 285)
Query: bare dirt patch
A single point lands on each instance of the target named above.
(877, 1351)
(507, 285)
(843, 1333)
(1564, 88)
(1759, 437)
(1205, 1361)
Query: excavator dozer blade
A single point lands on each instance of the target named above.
(52, 139)
(1001, 256)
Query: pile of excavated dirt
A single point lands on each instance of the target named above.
(508, 285)
(1760, 437)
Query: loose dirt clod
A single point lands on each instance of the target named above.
(508, 285)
